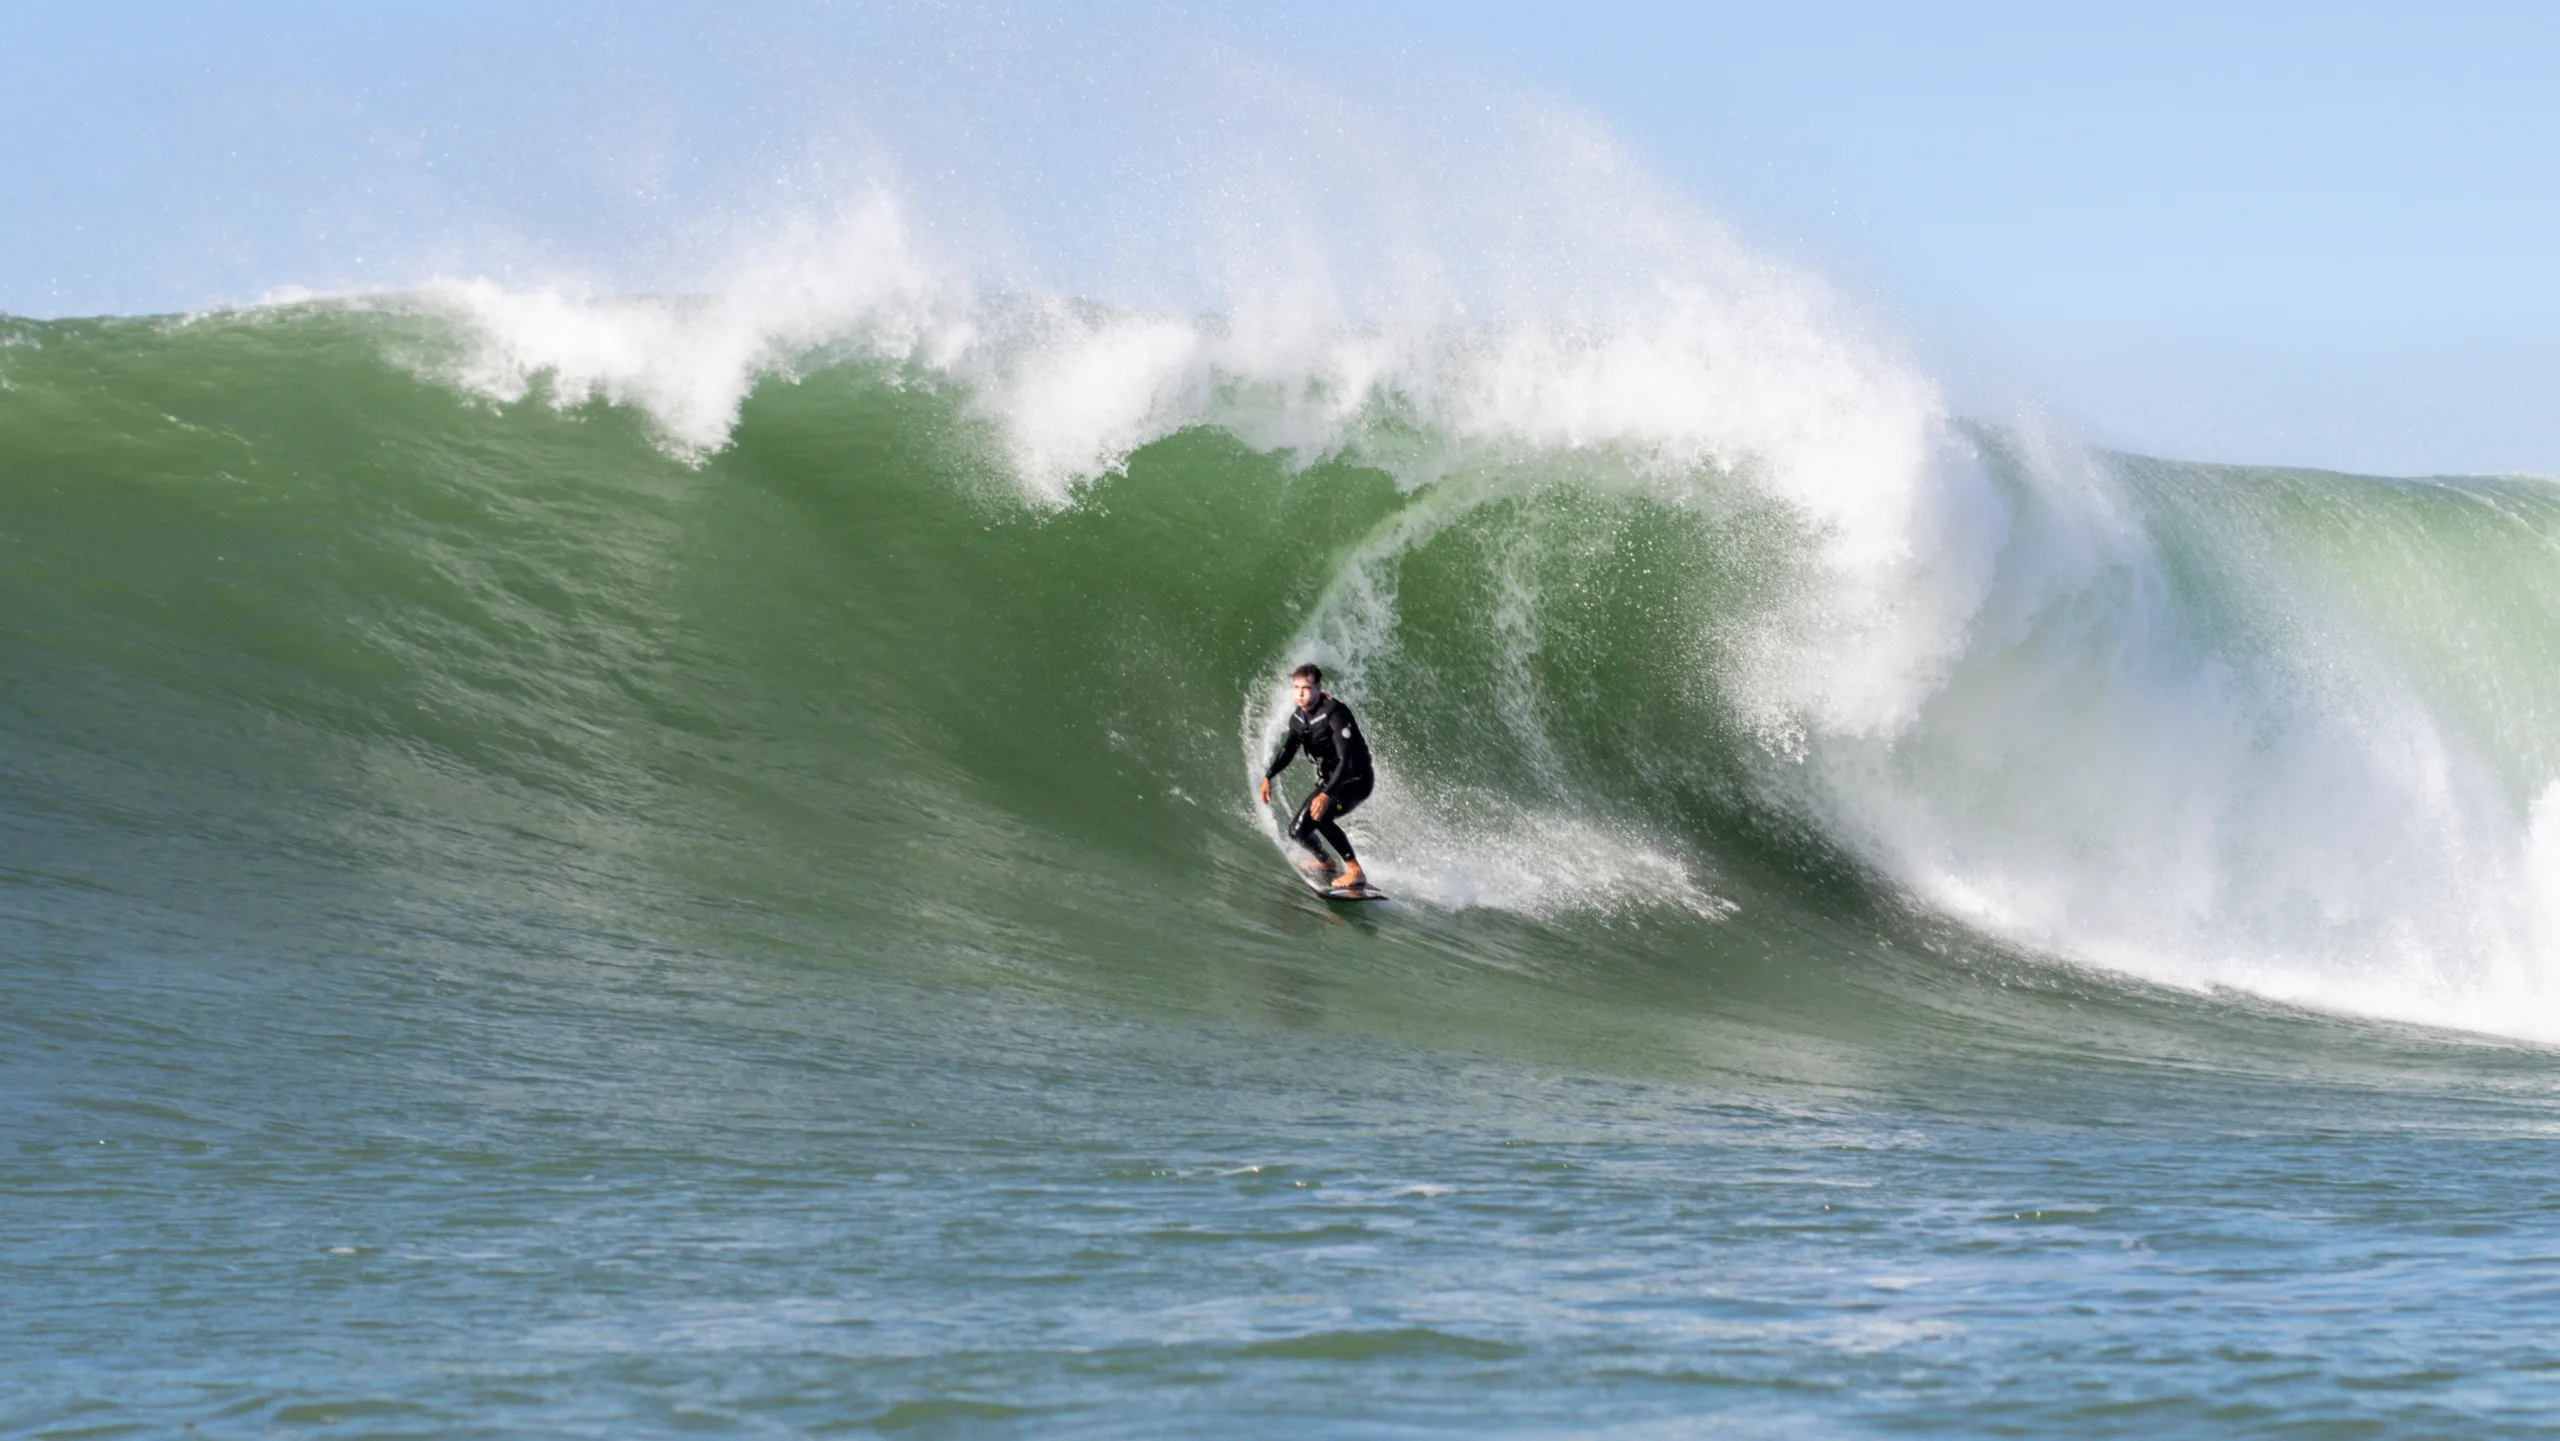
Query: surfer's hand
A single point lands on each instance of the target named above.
(1266, 790)
(1317, 807)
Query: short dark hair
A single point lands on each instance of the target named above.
(1311, 671)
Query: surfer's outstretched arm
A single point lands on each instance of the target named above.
(1288, 753)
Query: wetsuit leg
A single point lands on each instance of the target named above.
(1305, 828)
(1334, 837)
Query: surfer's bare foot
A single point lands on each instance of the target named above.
(1350, 878)
(1316, 871)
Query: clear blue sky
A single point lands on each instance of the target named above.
(2326, 234)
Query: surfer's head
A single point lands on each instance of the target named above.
(1306, 685)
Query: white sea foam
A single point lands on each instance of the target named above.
(1454, 848)
(2210, 774)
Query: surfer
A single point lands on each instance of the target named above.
(1322, 727)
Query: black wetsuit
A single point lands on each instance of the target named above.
(1340, 754)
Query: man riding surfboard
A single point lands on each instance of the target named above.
(1321, 725)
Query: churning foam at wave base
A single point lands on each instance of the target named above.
(1455, 847)
(2119, 771)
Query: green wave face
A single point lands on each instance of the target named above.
(334, 640)
(301, 624)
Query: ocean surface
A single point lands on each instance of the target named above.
(583, 866)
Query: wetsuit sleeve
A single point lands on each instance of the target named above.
(1288, 753)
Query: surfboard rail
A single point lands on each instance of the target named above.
(1321, 882)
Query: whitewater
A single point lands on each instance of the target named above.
(576, 862)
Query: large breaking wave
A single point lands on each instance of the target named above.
(1669, 589)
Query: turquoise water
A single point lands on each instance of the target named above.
(524, 911)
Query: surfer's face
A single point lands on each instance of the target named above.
(1302, 690)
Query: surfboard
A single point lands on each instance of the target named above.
(1322, 884)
